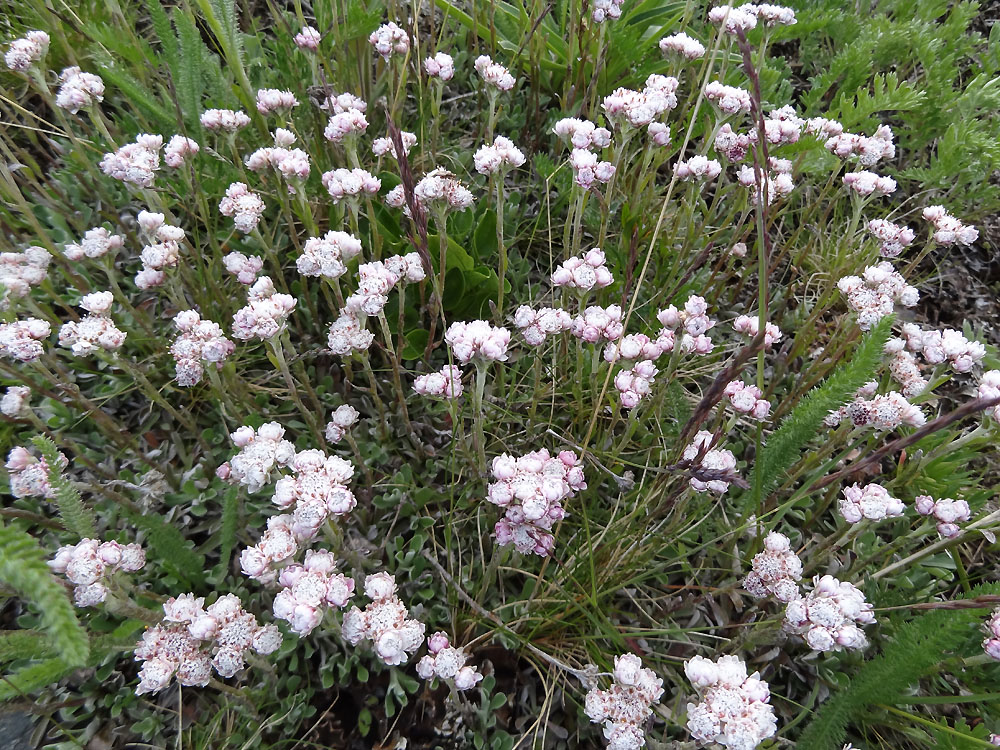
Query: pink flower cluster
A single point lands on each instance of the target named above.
(243, 205)
(192, 640)
(729, 100)
(730, 144)
(96, 242)
(947, 512)
(382, 146)
(494, 75)
(989, 386)
(747, 399)
(683, 45)
(15, 401)
(866, 184)
(584, 272)
(638, 346)
(589, 169)
(244, 268)
(582, 134)
(29, 476)
(605, 9)
(636, 383)
(337, 103)
(307, 590)
(446, 383)
(441, 190)
(389, 39)
(499, 157)
(776, 570)
(225, 120)
(734, 20)
(782, 126)
(537, 325)
(881, 412)
(716, 467)
(179, 149)
(291, 163)
(326, 255)
(441, 66)
(350, 184)
(317, 488)
(162, 251)
(904, 368)
(872, 502)
(779, 180)
(279, 542)
(260, 451)
(265, 314)
(695, 322)
(828, 616)
(78, 90)
(27, 50)
(94, 331)
(624, 708)
(21, 271)
(384, 622)
(531, 490)
(477, 340)
(893, 237)
(948, 229)
(750, 326)
(345, 125)
(308, 39)
(89, 563)
(375, 281)
(22, 339)
(347, 335)
(341, 421)
(873, 294)
(275, 100)
(868, 150)
(446, 662)
(637, 109)
(733, 710)
(135, 163)
(991, 645)
(697, 168)
(200, 341)
(948, 345)
(599, 323)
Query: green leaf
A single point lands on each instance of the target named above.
(416, 344)
(485, 240)
(76, 516)
(172, 548)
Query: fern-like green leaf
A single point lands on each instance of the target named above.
(227, 533)
(76, 516)
(23, 568)
(172, 549)
(33, 677)
(25, 644)
(887, 94)
(164, 32)
(188, 78)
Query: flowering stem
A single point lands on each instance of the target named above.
(480, 437)
(397, 380)
(375, 397)
(277, 348)
(502, 268)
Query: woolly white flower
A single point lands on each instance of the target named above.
(347, 335)
(200, 342)
(27, 50)
(29, 476)
(350, 184)
(499, 157)
(626, 107)
(625, 707)
(308, 39)
(341, 421)
(94, 331)
(873, 295)
(872, 501)
(260, 451)
(588, 169)
(445, 384)
(345, 125)
(78, 89)
(226, 120)
(179, 149)
(681, 44)
(599, 323)
(495, 75)
(636, 383)
(381, 146)
(135, 163)
(96, 242)
(19, 272)
(584, 272)
(893, 237)
(698, 168)
(776, 570)
(947, 512)
(477, 340)
(868, 183)
(446, 662)
(244, 268)
(326, 255)
(715, 469)
(729, 100)
(389, 39)
(441, 66)
(14, 401)
(949, 230)
(338, 103)
(22, 339)
(747, 399)
(536, 325)
(308, 590)
(734, 20)
(605, 9)
(732, 145)
(89, 563)
(384, 622)
(243, 205)
(582, 134)
(265, 314)
(829, 616)
(440, 190)
(868, 150)
(733, 709)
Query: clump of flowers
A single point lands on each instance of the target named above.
(375, 281)
(341, 421)
(348, 335)
(683, 45)
(307, 590)
(636, 346)
(776, 570)
(948, 229)
(989, 387)
(260, 451)
(478, 340)
(750, 326)
(733, 20)
(733, 709)
(275, 100)
(26, 51)
(537, 325)
(499, 157)
(585, 272)
(389, 39)
(78, 90)
(135, 163)
(868, 150)
(947, 512)
(317, 488)
(636, 383)
(747, 399)
(350, 183)
(308, 39)
(200, 342)
(730, 100)
(881, 412)
(225, 120)
(346, 125)
(582, 134)
(265, 314)
(326, 255)
(991, 645)
(712, 469)
(192, 640)
(94, 331)
(15, 401)
(19, 272)
(873, 295)
(384, 622)
(872, 501)
(829, 616)
(22, 339)
(446, 383)
(605, 9)
(589, 169)
(730, 144)
(244, 268)
(243, 205)
(865, 184)
(381, 146)
(440, 65)
(162, 251)
(446, 662)
(697, 168)
(893, 237)
(279, 542)
(941, 346)
(599, 323)
(178, 150)
(624, 708)
(782, 126)
(89, 563)
(29, 476)
(494, 75)
(96, 243)
(637, 109)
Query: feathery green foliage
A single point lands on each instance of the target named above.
(173, 550)
(76, 516)
(23, 568)
(33, 677)
(227, 533)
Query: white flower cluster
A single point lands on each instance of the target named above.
(446, 662)
(337, 103)
(243, 205)
(868, 150)
(734, 20)
(599, 323)
(21, 271)
(537, 325)
(494, 75)
(15, 401)
(96, 243)
(659, 133)
(776, 570)
(192, 640)
(697, 168)
(477, 340)
(384, 622)
(531, 489)
(747, 399)
(947, 512)
(873, 294)
(638, 346)
(78, 89)
(94, 331)
(948, 345)
(948, 229)
(904, 368)
(695, 322)
(582, 133)
(308, 39)
(445, 383)
(779, 179)
(29, 476)
(89, 563)
(290, 163)
(730, 100)
(200, 342)
(350, 184)
(730, 144)
(866, 184)
(382, 146)
(326, 255)
(584, 272)
(347, 335)
(341, 421)
(440, 65)
(317, 488)
(893, 237)
(27, 50)
(589, 169)
(244, 268)
(734, 709)
(605, 9)
(989, 387)
(275, 100)
(683, 45)
(135, 163)
(22, 339)
(225, 120)
(881, 412)
(991, 645)
(499, 157)
(388, 39)
(279, 542)
(624, 708)
(265, 314)
(346, 125)
(636, 383)
(828, 616)
(179, 149)
(307, 590)
(627, 107)
(260, 451)
(716, 467)
(375, 281)
(782, 126)
(162, 251)
(872, 502)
